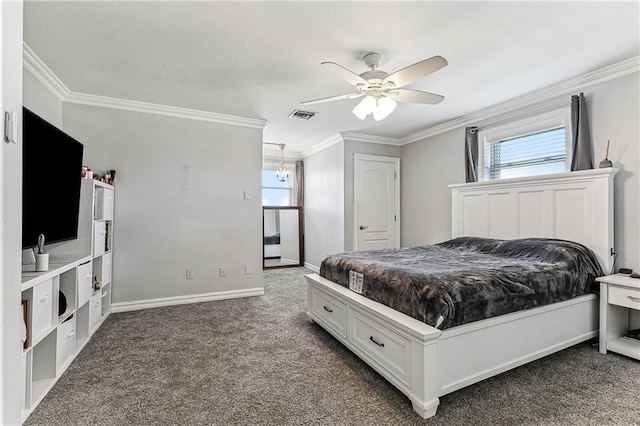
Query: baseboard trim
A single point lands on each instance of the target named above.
(314, 268)
(136, 305)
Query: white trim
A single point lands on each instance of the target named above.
(314, 268)
(383, 159)
(564, 88)
(32, 63)
(183, 300)
(337, 138)
(172, 111)
(361, 137)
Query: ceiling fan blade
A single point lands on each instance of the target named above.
(343, 73)
(416, 71)
(414, 96)
(332, 98)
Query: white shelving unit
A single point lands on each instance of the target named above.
(81, 270)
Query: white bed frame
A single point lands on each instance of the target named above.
(426, 363)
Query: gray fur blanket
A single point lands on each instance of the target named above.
(467, 279)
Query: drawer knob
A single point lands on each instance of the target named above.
(635, 299)
(327, 309)
(376, 342)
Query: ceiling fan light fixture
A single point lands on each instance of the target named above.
(365, 107)
(385, 107)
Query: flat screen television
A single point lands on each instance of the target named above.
(51, 179)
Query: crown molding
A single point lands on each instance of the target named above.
(573, 85)
(361, 137)
(35, 65)
(337, 138)
(32, 63)
(171, 111)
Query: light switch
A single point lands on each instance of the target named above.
(246, 195)
(11, 127)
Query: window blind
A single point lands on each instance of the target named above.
(530, 154)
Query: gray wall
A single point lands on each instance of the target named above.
(179, 200)
(11, 214)
(427, 168)
(351, 148)
(324, 203)
(329, 226)
(430, 165)
(40, 100)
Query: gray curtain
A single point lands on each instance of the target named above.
(581, 140)
(471, 153)
(299, 194)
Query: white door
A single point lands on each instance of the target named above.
(376, 202)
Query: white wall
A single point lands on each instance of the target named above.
(179, 200)
(40, 100)
(351, 148)
(324, 203)
(430, 165)
(11, 214)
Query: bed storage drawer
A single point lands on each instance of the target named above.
(624, 296)
(386, 347)
(330, 310)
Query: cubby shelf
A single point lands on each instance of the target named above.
(81, 270)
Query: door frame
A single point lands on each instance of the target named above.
(396, 163)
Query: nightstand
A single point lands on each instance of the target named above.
(619, 313)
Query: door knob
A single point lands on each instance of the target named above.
(363, 227)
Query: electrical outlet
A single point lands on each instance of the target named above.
(189, 274)
(246, 195)
(247, 269)
(223, 271)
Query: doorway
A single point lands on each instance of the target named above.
(376, 202)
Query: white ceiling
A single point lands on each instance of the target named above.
(261, 59)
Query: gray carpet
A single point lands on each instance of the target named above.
(258, 361)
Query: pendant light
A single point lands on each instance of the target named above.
(282, 173)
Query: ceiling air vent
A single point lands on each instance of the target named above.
(302, 115)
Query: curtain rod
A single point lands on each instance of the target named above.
(549, 108)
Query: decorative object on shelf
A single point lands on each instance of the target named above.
(63, 305)
(42, 257)
(110, 176)
(283, 173)
(606, 162)
(25, 324)
(633, 335)
(95, 284)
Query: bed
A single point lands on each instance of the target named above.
(272, 248)
(426, 360)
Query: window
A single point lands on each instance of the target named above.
(274, 192)
(534, 146)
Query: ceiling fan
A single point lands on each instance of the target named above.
(382, 90)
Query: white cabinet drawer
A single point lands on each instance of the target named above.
(624, 296)
(106, 269)
(65, 342)
(333, 312)
(95, 310)
(387, 348)
(104, 203)
(42, 308)
(84, 275)
(99, 238)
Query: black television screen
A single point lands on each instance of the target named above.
(51, 179)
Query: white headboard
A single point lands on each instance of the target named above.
(576, 206)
